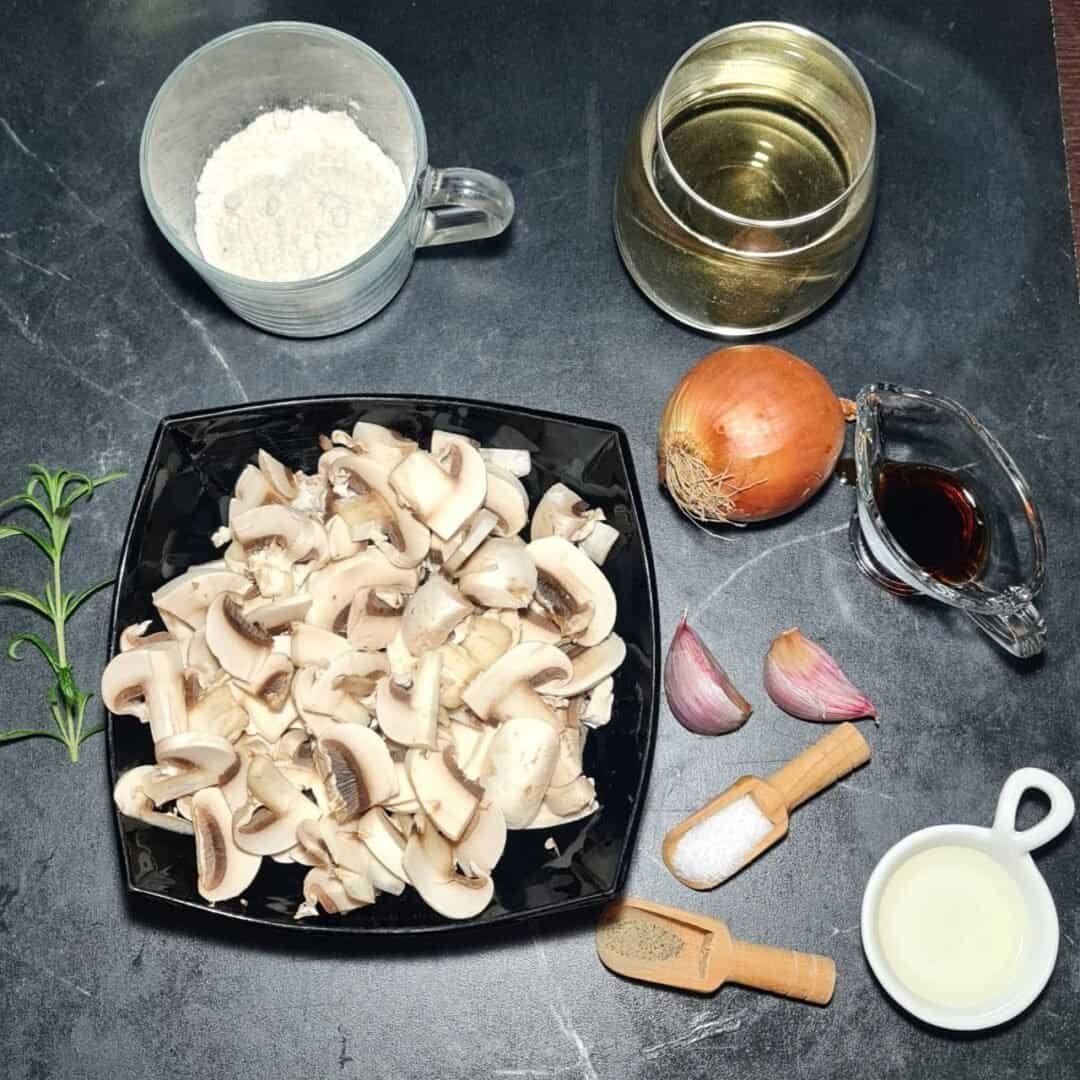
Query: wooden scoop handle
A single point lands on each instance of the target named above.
(820, 765)
(803, 976)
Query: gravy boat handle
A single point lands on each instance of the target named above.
(1062, 807)
(1021, 632)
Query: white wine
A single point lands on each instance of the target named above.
(757, 159)
(747, 189)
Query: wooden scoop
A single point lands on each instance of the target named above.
(664, 945)
(822, 764)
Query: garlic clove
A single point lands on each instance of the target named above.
(699, 692)
(805, 681)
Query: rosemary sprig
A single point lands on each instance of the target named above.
(51, 495)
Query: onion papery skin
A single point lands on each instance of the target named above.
(750, 433)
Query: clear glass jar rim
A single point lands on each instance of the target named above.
(208, 270)
(765, 223)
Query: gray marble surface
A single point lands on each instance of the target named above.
(966, 287)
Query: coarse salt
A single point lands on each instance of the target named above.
(715, 848)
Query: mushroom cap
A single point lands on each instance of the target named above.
(571, 585)
(188, 597)
(431, 613)
(240, 647)
(224, 871)
(357, 769)
(409, 717)
(446, 795)
(499, 574)
(149, 684)
(444, 488)
(332, 588)
(522, 759)
(507, 499)
(525, 665)
(562, 512)
(429, 862)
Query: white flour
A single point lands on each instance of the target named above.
(297, 193)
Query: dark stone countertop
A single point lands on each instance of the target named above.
(966, 287)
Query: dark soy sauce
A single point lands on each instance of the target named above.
(934, 517)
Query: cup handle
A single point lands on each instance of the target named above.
(1061, 812)
(463, 204)
(1021, 632)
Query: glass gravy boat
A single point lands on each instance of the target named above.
(925, 466)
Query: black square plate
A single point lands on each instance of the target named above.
(182, 498)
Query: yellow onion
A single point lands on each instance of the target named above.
(751, 432)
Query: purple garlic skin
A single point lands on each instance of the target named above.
(806, 682)
(699, 692)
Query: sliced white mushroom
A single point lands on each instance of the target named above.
(442, 490)
(267, 823)
(594, 709)
(357, 769)
(189, 596)
(410, 716)
(340, 543)
(536, 626)
(483, 843)
(547, 819)
(453, 552)
(381, 442)
(224, 870)
(499, 574)
(591, 666)
(516, 462)
(217, 713)
(333, 588)
(315, 646)
(402, 662)
(323, 888)
(562, 512)
(571, 798)
(253, 489)
(239, 646)
(187, 762)
(598, 544)
(200, 662)
(262, 718)
(296, 534)
(277, 616)
(405, 801)
(131, 800)
(507, 688)
(520, 765)
(446, 795)
(375, 617)
(280, 479)
(431, 613)
(136, 637)
(572, 590)
(429, 862)
(149, 684)
(383, 840)
(507, 499)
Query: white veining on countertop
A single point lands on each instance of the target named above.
(563, 1018)
(36, 266)
(63, 980)
(702, 1028)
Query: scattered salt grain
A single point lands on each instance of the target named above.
(715, 848)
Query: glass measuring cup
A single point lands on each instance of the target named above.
(723, 231)
(900, 426)
(223, 86)
(1011, 849)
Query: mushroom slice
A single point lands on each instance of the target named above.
(500, 574)
(431, 613)
(507, 499)
(463, 543)
(483, 842)
(536, 626)
(402, 662)
(547, 819)
(380, 442)
(515, 462)
(236, 790)
(280, 479)
(447, 796)
(591, 666)
(332, 588)
(296, 534)
(340, 543)
(136, 637)
(404, 802)
(476, 764)
(445, 489)
(324, 889)
(488, 639)
(594, 710)
(384, 841)
(410, 716)
(189, 596)
(572, 590)
(572, 797)
(457, 670)
(217, 713)
(267, 823)
(562, 512)
(266, 721)
(190, 761)
(373, 512)
(149, 684)
(346, 849)
(375, 617)
(309, 839)
(522, 759)
(239, 646)
(315, 646)
(253, 489)
(131, 800)
(277, 616)
(356, 767)
(271, 682)
(200, 661)
(598, 544)
(571, 745)
(507, 687)
(224, 869)
(429, 862)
